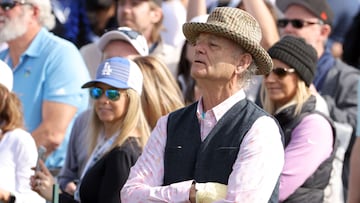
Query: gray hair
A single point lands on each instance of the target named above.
(46, 18)
(245, 78)
(249, 73)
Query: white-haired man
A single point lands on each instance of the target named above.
(48, 73)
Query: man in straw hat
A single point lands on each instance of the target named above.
(223, 147)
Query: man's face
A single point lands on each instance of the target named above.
(216, 58)
(312, 33)
(136, 14)
(14, 22)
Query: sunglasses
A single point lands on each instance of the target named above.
(8, 5)
(296, 23)
(112, 94)
(281, 72)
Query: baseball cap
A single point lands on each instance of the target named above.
(6, 76)
(120, 73)
(320, 8)
(136, 39)
(158, 2)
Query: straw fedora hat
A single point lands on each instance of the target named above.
(237, 25)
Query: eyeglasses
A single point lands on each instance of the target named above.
(296, 23)
(281, 72)
(8, 5)
(112, 94)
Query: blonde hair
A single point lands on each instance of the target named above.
(134, 120)
(161, 94)
(302, 94)
(11, 115)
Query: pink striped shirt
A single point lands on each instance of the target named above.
(255, 171)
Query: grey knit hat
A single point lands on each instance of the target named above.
(299, 55)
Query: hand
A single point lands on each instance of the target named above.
(70, 188)
(4, 195)
(210, 192)
(192, 195)
(42, 182)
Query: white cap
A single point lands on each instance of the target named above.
(6, 76)
(136, 39)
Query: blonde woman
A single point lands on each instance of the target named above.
(117, 133)
(161, 94)
(308, 135)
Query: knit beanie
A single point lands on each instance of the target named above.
(299, 55)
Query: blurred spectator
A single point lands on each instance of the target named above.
(147, 17)
(116, 132)
(18, 153)
(48, 74)
(121, 41)
(334, 80)
(161, 94)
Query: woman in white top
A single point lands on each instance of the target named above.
(18, 153)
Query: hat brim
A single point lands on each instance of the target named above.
(261, 57)
(108, 81)
(110, 36)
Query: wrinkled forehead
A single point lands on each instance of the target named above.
(221, 40)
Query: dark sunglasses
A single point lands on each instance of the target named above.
(132, 34)
(112, 94)
(281, 72)
(296, 23)
(8, 5)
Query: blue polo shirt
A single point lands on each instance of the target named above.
(51, 69)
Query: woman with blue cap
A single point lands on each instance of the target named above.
(117, 133)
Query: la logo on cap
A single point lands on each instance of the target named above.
(107, 69)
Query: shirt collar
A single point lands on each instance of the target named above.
(36, 44)
(221, 108)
